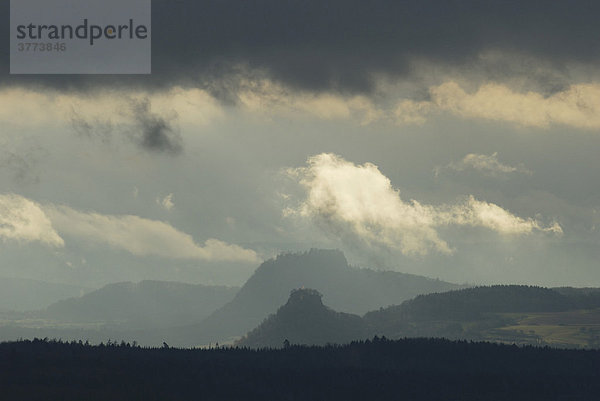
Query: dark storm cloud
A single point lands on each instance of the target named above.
(149, 130)
(340, 44)
(154, 133)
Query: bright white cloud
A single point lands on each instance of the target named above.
(486, 164)
(142, 237)
(24, 220)
(357, 202)
(577, 106)
(477, 213)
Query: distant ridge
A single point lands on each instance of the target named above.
(145, 304)
(21, 294)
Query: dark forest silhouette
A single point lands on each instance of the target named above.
(378, 369)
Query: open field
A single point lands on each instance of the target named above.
(579, 328)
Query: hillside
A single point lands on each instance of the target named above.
(503, 313)
(25, 295)
(470, 303)
(346, 289)
(584, 297)
(145, 304)
(305, 320)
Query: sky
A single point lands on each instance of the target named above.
(453, 139)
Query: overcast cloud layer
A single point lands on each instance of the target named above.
(343, 44)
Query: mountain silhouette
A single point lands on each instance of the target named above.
(305, 320)
(347, 289)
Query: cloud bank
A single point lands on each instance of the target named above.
(576, 106)
(142, 237)
(24, 220)
(152, 120)
(358, 203)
